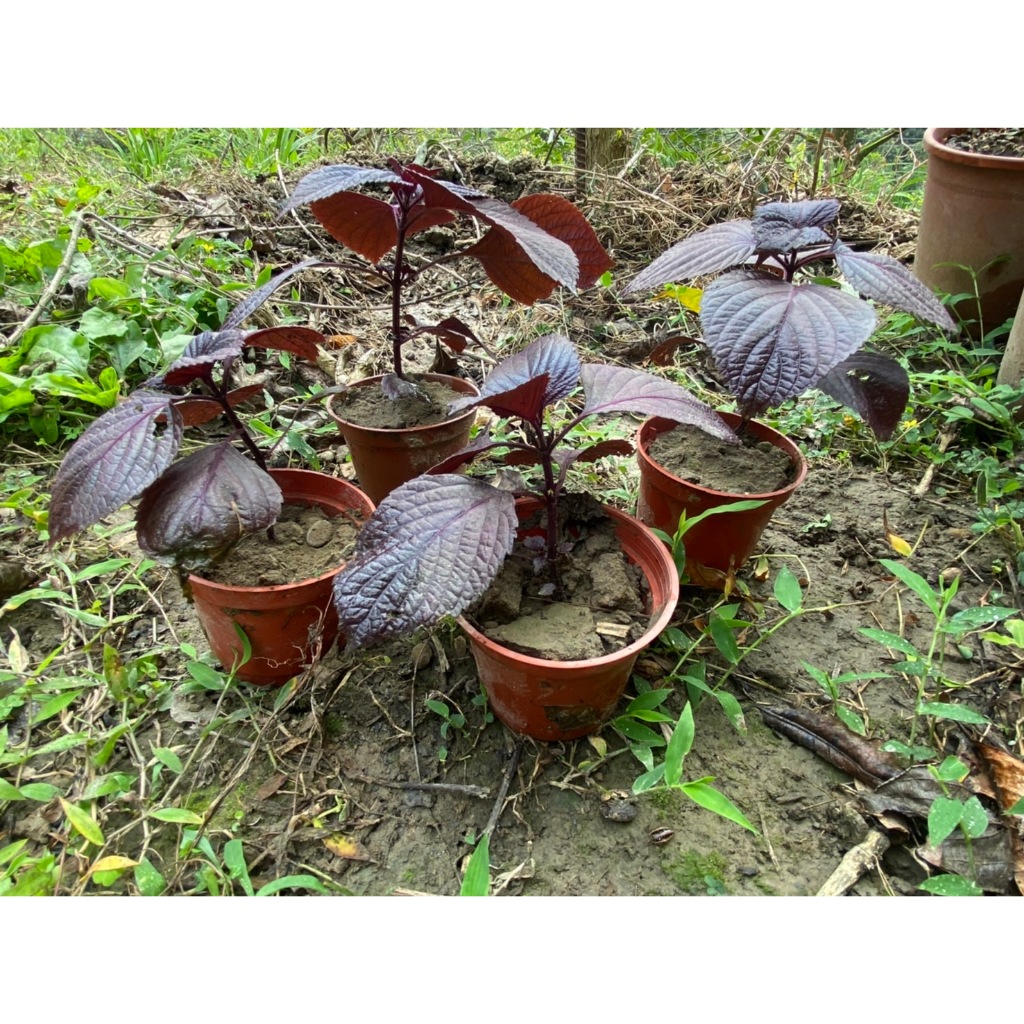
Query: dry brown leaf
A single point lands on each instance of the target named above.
(271, 786)
(1007, 774)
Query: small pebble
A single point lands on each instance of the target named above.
(319, 534)
(422, 655)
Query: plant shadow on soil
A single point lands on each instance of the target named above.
(347, 779)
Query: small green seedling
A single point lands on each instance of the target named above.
(450, 720)
(669, 776)
(477, 879)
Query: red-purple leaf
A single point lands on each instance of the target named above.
(551, 256)
(366, 225)
(204, 504)
(559, 217)
(253, 302)
(885, 279)
(621, 389)
(327, 181)
(512, 270)
(201, 354)
(565, 457)
(117, 457)
(552, 356)
(715, 248)
(771, 340)
(303, 341)
(783, 227)
(432, 547)
(198, 409)
(452, 331)
(874, 386)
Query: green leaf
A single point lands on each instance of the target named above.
(746, 505)
(169, 758)
(1017, 808)
(8, 791)
(897, 643)
(234, 861)
(951, 770)
(679, 746)
(207, 677)
(477, 880)
(98, 323)
(649, 779)
(851, 720)
(439, 708)
(647, 701)
(83, 823)
(787, 590)
(177, 815)
(710, 799)
(293, 882)
(943, 816)
(953, 713)
(951, 885)
(918, 584)
(643, 754)
(55, 705)
(975, 819)
(42, 792)
(724, 639)
(974, 618)
(148, 879)
(731, 706)
(637, 733)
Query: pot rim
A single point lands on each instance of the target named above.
(440, 378)
(659, 619)
(935, 145)
(733, 419)
(283, 588)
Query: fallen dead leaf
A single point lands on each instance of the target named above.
(348, 849)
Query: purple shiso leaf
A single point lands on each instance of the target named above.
(201, 354)
(771, 340)
(549, 254)
(553, 356)
(715, 248)
(326, 181)
(117, 457)
(876, 387)
(885, 279)
(432, 547)
(621, 389)
(250, 304)
(783, 227)
(203, 504)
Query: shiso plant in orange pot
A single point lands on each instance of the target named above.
(772, 336)
(558, 595)
(399, 425)
(196, 513)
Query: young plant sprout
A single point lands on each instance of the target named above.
(435, 544)
(532, 246)
(194, 510)
(772, 338)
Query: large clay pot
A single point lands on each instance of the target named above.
(973, 214)
(723, 542)
(562, 700)
(385, 459)
(287, 625)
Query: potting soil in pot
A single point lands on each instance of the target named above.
(599, 609)
(989, 141)
(369, 407)
(753, 467)
(307, 543)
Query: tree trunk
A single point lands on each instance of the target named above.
(1011, 367)
(603, 150)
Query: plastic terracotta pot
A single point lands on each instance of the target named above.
(723, 542)
(973, 214)
(561, 700)
(385, 459)
(288, 626)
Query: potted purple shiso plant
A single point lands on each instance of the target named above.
(195, 510)
(398, 425)
(772, 337)
(435, 545)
